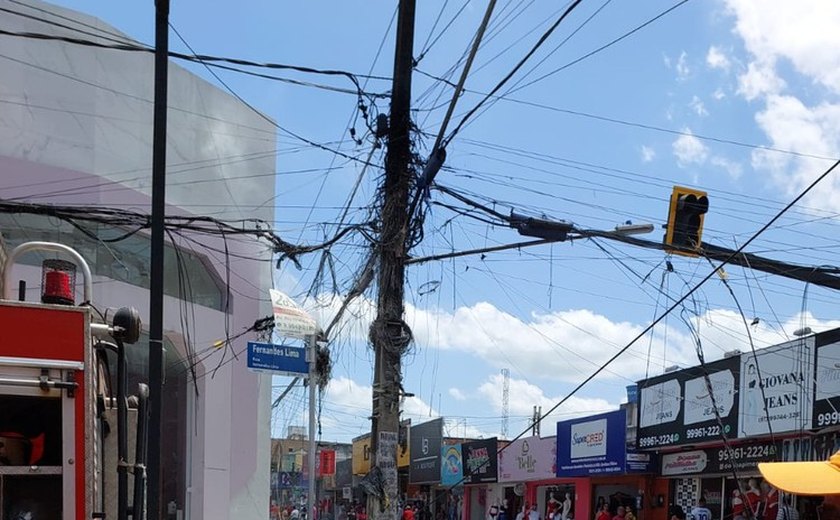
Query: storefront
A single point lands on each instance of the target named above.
(777, 404)
(481, 471)
(522, 461)
(594, 467)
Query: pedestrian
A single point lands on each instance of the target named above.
(534, 514)
(677, 513)
(619, 513)
(700, 511)
(408, 513)
(786, 511)
(604, 513)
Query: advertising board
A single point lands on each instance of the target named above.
(530, 458)
(425, 441)
(678, 408)
(777, 388)
(592, 445)
(481, 462)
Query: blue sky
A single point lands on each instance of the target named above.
(678, 93)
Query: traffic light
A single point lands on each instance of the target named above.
(685, 220)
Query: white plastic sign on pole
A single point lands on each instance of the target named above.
(290, 319)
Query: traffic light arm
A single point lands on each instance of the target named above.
(821, 276)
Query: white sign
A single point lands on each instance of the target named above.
(777, 385)
(828, 371)
(589, 439)
(386, 459)
(346, 493)
(660, 403)
(289, 318)
(698, 401)
(684, 463)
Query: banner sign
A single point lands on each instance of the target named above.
(742, 458)
(676, 408)
(451, 466)
(424, 451)
(827, 399)
(481, 462)
(531, 458)
(289, 318)
(777, 384)
(592, 445)
(326, 463)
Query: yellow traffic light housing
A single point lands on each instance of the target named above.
(685, 220)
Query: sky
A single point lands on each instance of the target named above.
(726, 96)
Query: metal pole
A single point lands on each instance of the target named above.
(157, 252)
(311, 352)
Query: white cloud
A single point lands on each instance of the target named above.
(683, 71)
(734, 169)
(689, 150)
(698, 107)
(457, 394)
(759, 80)
(718, 94)
(648, 153)
(802, 33)
(716, 59)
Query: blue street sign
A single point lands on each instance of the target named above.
(277, 358)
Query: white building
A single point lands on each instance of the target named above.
(76, 128)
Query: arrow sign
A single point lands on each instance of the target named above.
(277, 359)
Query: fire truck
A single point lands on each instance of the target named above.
(67, 418)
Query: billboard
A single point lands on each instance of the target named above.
(451, 467)
(677, 408)
(481, 462)
(531, 458)
(827, 397)
(777, 387)
(592, 445)
(424, 452)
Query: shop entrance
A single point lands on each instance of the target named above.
(615, 495)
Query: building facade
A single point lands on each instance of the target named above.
(76, 130)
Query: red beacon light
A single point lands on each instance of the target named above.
(58, 282)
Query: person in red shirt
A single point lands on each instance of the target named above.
(619, 513)
(771, 501)
(408, 514)
(753, 496)
(604, 513)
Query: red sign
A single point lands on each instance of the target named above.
(326, 460)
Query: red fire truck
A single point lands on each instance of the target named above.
(66, 416)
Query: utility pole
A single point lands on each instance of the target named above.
(389, 334)
(312, 355)
(156, 257)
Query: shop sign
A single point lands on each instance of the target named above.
(480, 461)
(592, 445)
(451, 465)
(425, 441)
(827, 398)
(531, 458)
(343, 473)
(361, 455)
(677, 408)
(739, 458)
(777, 386)
(639, 462)
(685, 463)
